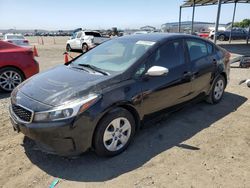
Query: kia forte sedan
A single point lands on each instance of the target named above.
(99, 99)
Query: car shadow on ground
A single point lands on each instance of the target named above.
(4, 95)
(149, 142)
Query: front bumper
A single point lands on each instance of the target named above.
(65, 138)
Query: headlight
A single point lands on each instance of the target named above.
(68, 110)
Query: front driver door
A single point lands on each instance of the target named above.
(159, 92)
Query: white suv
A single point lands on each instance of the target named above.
(84, 40)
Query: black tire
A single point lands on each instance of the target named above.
(104, 124)
(6, 71)
(222, 37)
(213, 98)
(85, 48)
(68, 48)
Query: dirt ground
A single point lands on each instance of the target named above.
(199, 146)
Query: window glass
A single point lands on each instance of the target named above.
(115, 55)
(209, 48)
(168, 55)
(197, 49)
(15, 37)
(79, 35)
(95, 34)
(73, 36)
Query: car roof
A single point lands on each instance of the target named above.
(157, 37)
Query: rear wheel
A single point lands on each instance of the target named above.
(114, 133)
(222, 37)
(217, 91)
(10, 78)
(84, 48)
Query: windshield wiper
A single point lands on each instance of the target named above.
(94, 68)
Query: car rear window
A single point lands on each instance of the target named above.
(93, 34)
(15, 37)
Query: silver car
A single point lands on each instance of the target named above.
(16, 39)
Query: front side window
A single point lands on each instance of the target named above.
(197, 49)
(168, 55)
(115, 55)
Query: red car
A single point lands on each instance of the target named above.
(203, 34)
(16, 65)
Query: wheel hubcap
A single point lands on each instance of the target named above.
(9, 80)
(218, 89)
(117, 134)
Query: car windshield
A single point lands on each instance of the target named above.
(116, 55)
(15, 37)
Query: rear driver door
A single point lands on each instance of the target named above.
(203, 64)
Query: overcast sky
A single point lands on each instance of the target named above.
(101, 14)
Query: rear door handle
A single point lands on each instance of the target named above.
(187, 74)
(214, 61)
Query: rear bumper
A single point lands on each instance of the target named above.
(32, 69)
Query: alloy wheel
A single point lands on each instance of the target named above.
(117, 134)
(218, 89)
(9, 80)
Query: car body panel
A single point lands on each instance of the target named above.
(142, 95)
(18, 57)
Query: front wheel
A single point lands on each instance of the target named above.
(114, 133)
(68, 48)
(217, 91)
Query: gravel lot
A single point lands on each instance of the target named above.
(199, 146)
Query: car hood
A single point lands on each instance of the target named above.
(62, 84)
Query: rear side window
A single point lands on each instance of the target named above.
(209, 48)
(197, 49)
(168, 55)
(79, 35)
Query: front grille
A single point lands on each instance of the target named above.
(22, 113)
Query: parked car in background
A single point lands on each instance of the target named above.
(237, 34)
(99, 99)
(140, 32)
(245, 62)
(16, 39)
(203, 34)
(16, 65)
(85, 40)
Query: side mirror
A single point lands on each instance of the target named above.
(157, 71)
